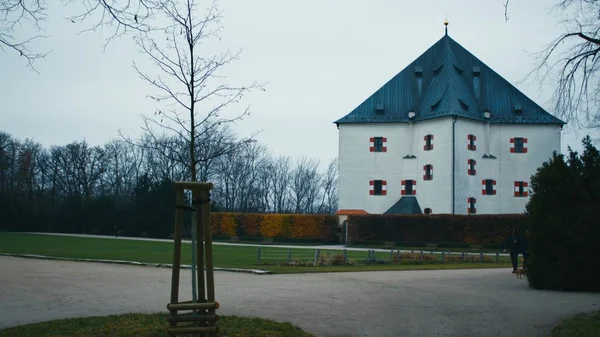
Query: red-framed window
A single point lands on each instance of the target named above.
(488, 187)
(377, 187)
(521, 189)
(471, 167)
(471, 146)
(428, 143)
(409, 187)
(427, 210)
(378, 144)
(428, 172)
(471, 205)
(518, 145)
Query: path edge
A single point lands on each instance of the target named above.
(133, 263)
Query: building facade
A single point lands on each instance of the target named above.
(445, 135)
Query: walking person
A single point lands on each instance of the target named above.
(513, 244)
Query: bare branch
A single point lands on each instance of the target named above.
(13, 15)
(570, 62)
(190, 83)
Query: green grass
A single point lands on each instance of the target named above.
(582, 325)
(148, 325)
(224, 256)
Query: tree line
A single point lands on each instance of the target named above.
(125, 187)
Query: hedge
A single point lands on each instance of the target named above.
(317, 227)
(468, 229)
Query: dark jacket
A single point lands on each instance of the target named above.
(513, 243)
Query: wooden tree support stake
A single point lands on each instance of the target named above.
(203, 316)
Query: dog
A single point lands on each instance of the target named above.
(521, 272)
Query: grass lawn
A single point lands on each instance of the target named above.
(224, 256)
(148, 325)
(582, 325)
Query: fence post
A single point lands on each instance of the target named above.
(497, 257)
(421, 254)
(443, 257)
(398, 256)
(316, 257)
(391, 256)
(345, 256)
(481, 257)
(374, 257)
(462, 256)
(258, 256)
(289, 254)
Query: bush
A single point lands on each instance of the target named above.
(565, 231)
(297, 227)
(447, 228)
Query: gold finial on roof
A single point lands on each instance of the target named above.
(446, 24)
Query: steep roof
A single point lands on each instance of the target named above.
(447, 80)
(406, 205)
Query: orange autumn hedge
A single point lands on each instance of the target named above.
(295, 226)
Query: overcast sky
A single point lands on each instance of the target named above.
(318, 58)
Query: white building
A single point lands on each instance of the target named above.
(445, 135)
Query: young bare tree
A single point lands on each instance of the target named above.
(198, 101)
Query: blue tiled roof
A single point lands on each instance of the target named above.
(453, 82)
(406, 205)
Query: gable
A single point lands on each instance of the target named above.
(447, 80)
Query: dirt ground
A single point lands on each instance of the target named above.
(395, 303)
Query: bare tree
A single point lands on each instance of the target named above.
(305, 185)
(329, 183)
(571, 63)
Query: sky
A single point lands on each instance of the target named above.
(318, 60)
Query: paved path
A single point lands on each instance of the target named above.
(328, 247)
(375, 304)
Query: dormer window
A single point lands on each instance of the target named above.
(419, 79)
(476, 74)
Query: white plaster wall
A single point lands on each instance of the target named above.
(507, 168)
(357, 165)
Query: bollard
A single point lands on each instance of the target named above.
(289, 255)
(258, 256)
(443, 257)
(345, 256)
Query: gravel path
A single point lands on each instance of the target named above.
(396, 303)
